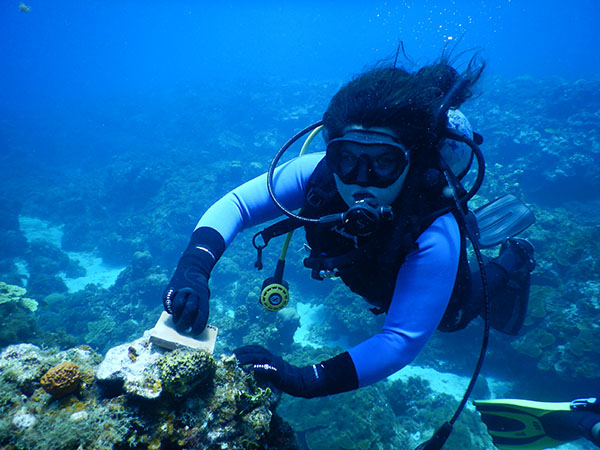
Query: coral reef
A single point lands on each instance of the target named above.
(389, 414)
(397, 414)
(547, 148)
(231, 412)
(544, 150)
(12, 242)
(419, 410)
(345, 314)
(17, 315)
(236, 290)
(351, 420)
(103, 317)
(16, 294)
(560, 335)
(62, 380)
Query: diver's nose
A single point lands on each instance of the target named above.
(362, 174)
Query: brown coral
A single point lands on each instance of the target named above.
(62, 380)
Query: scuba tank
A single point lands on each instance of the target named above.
(458, 155)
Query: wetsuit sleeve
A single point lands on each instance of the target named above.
(423, 288)
(250, 203)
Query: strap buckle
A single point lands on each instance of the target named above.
(590, 403)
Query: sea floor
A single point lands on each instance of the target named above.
(96, 270)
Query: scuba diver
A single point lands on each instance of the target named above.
(383, 211)
(526, 424)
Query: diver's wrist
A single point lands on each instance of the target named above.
(332, 376)
(208, 240)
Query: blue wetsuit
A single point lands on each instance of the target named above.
(423, 285)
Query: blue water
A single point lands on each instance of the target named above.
(65, 62)
(119, 122)
(77, 50)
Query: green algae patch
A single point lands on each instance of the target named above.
(183, 370)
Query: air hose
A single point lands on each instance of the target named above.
(274, 294)
(439, 438)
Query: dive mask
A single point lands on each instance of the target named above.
(366, 158)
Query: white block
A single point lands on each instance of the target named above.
(165, 335)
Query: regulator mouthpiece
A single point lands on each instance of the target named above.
(365, 216)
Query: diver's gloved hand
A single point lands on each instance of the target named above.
(329, 377)
(186, 296)
(267, 367)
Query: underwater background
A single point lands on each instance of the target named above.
(122, 122)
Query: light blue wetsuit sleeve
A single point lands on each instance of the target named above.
(250, 203)
(423, 288)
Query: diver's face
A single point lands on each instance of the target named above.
(375, 155)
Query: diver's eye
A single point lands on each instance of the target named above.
(386, 162)
(347, 161)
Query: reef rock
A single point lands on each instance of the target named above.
(133, 366)
(181, 399)
(142, 369)
(23, 365)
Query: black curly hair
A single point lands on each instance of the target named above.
(408, 103)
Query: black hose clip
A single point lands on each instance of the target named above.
(259, 248)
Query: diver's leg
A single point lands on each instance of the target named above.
(590, 427)
(508, 280)
(595, 433)
(574, 424)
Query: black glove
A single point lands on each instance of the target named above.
(329, 377)
(186, 296)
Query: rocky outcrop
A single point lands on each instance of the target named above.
(138, 397)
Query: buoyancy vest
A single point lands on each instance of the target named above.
(369, 265)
